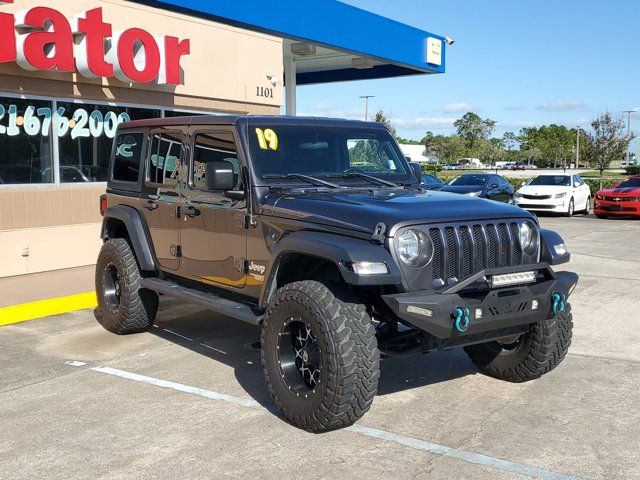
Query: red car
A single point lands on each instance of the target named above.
(623, 200)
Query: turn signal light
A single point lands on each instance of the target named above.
(103, 204)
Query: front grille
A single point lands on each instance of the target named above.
(459, 251)
(536, 207)
(536, 197)
(619, 199)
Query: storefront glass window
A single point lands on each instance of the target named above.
(86, 134)
(25, 141)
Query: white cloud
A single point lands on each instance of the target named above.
(323, 106)
(335, 112)
(514, 108)
(577, 122)
(561, 106)
(423, 122)
(461, 107)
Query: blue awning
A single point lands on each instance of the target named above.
(372, 46)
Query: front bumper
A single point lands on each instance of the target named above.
(500, 308)
(555, 205)
(610, 208)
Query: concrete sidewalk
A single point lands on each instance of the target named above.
(40, 286)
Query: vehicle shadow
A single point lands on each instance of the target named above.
(236, 345)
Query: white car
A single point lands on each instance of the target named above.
(562, 193)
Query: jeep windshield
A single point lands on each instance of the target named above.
(340, 154)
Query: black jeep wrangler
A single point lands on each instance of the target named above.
(319, 232)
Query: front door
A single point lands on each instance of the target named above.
(213, 232)
(161, 195)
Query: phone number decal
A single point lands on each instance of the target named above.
(38, 121)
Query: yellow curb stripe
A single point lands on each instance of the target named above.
(48, 307)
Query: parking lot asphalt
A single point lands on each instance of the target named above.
(187, 399)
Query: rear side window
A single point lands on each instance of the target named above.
(126, 162)
(164, 159)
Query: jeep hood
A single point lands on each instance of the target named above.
(362, 210)
(462, 188)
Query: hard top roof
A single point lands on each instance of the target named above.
(248, 119)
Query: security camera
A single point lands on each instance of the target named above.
(273, 79)
(450, 41)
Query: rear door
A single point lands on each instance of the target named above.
(213, 233)
(161, 193)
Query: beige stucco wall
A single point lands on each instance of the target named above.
(225, 65)
(51, 248)
(48, 228)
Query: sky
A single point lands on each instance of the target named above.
(519, 62)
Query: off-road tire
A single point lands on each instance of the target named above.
(538, 351)
(348, 356)
(137, 307)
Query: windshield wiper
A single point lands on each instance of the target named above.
(371, 178)
(306, 178)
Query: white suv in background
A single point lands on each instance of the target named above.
(563, 193)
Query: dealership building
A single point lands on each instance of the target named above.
(72, 71)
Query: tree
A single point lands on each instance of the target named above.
(448, 149)
(473, 128)
(511, 147)
(606, 143)
(381, 117)
(552, 144)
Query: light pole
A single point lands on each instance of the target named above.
(366, 106)
(629, 112)
(578, 147)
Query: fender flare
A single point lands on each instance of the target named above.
(138, 234)
(337, 249)
(548, 254)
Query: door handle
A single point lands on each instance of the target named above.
(188, 210)
(150, 205)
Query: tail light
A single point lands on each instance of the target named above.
(103, 204)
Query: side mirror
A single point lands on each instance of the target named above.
(493, 185)
(417, 169)
(523, 184)
(576, 184)
(219, 175)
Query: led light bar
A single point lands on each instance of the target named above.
(508, 279)
(425, 312)
(370, 268)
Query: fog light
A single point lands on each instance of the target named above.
(370, 268)
(479, 313)
(512, 279)
(560, 249)
(535, 305)
(425, 312)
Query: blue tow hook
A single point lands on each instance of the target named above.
(461, 321)
(559, 302)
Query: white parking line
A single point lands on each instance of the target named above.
(410, 442)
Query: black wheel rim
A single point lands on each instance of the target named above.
(112, 287)
(299, 356)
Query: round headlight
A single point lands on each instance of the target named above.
(414, 248)
(526, 235)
